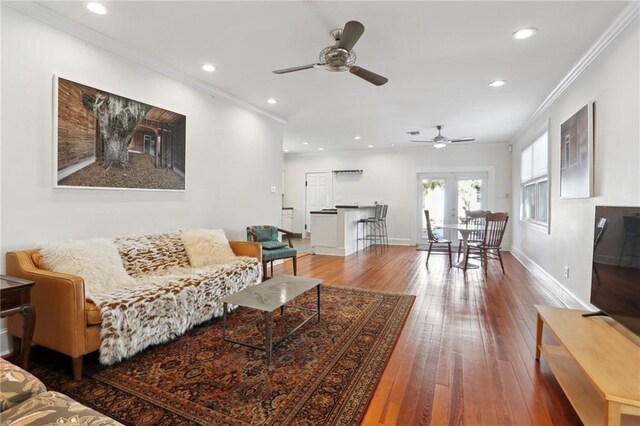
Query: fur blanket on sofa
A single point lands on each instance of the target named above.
(163, 307)
(153, 293)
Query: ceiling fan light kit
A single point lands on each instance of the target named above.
(442, 141)
(341, 56)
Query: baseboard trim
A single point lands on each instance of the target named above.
(558, 290)
(400, 242)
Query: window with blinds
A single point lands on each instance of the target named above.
(534, 177)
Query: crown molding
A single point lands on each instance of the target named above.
(62, 23)
(622, 21)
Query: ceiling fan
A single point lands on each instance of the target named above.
(442, 141)
(341, 56)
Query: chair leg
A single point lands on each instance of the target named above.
(295, 265)
(500, 257)
(449, 247)
(429, 253)
(264, 270)
(76, 364)
(485, 254)
(272, 268)
(466, 259)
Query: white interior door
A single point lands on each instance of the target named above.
(318, 195)
(447, 196)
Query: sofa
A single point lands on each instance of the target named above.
(118, 296)
(25, 400)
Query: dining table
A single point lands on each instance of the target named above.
(465, 230)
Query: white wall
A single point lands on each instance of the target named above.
(612, 82)
(390, 177)
(233, 156)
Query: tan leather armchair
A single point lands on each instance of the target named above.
(65, 321)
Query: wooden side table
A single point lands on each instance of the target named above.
(15, 298)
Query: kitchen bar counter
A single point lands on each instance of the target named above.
(333, 231)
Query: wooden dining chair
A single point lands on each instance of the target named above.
(474, 218)
(435, 241)
(489, 248)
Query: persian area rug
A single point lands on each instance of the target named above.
(325, 373)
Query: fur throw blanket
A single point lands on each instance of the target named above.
(146, 286)
(163, 307)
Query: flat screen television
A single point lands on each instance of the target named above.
(615, 277)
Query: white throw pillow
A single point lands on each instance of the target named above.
(207, 247)
(96, 260)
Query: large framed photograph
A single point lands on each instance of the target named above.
(103, 140)
(576, 154)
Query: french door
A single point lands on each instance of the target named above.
(447, 196)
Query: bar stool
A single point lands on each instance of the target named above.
(371, 229)
(383, 225)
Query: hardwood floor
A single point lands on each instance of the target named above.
(466, 355)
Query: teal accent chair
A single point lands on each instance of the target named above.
(272, 248)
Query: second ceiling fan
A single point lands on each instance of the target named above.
(442, 141)
(341, 56)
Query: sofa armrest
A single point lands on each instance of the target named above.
(17, 385)
(59, 301)
(247, 248)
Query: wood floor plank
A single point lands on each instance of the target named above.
(466, 354)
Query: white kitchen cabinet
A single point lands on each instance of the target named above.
(287, 219)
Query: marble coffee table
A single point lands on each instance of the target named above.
(268, 297)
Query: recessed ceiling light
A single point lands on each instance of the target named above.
(393, 144)
(320, 149)
(305, 143)
(97, 8)
(357, 138)
(286, 150)
(524, 33)
(369, 146)
(271, 101)
(208, 68)
(498, 83)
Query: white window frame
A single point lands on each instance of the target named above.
(535, 223)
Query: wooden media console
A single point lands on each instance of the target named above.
(596, 364)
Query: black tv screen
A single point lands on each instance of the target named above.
(615, 277)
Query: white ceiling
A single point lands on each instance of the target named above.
(439, 58)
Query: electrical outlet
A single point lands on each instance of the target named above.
(566, 272)
(273, 189)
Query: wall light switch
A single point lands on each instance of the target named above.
(273, 189)
(566, 272)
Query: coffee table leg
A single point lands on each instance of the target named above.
(268, 319)
(224, 320)
(318, 287)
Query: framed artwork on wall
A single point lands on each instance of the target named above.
(107, 141)
(576, 154)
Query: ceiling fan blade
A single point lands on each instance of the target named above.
(463, 140)
(292, 69)
(370, 76)
(350, 35)
(423, 141)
